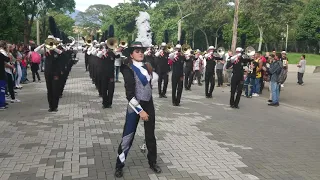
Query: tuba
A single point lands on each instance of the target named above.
(221, 51)
(73, 41)
(50, 43)
(123, 43)
(88, 41)
(112, 43)
(250, 51)
(169, 48)
(186, 49)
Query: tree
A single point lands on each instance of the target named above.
(93, 16)
(31, 8)
(10, 20)
(309, 24)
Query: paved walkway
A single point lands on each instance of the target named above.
(201, 139)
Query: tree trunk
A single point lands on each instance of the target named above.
(235, 26)
(260, 38)
(193, 34)
(205, 35)
(26, 34)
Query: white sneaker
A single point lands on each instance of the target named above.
(255, 95)
(282, 85)
(15, 101)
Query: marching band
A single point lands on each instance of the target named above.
(142, 68)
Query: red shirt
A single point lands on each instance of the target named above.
(24, 62)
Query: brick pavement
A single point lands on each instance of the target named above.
(201, 139)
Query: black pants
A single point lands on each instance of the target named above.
(177, 86)
(129, 130)
(188, 78)
(163, 77)
(300, 78)
(220, 77)
(35, 69)
(209, 80)
(107, 90)
(261, 85)
(53, 90)
(11, 85)
(236, 86)
(86, 60)
(197, 75)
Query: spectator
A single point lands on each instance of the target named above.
(275, 70)
(301, 69)
(3, 60)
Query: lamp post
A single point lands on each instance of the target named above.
(287, 35)
(179, 25)
(216, 43)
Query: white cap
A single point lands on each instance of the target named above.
(163, 44)
(51, 37)
(178, 46)
(95, 41)
(239, 49)
(283, 52)
(102, 43)
(58, 39)
(211, 48)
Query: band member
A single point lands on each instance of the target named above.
(237, 62)
(178, 60)
(188, 71)
(162, 68)
(107, 77)
(211, 58)
(52, 73)
(197, 67)
(137, 76)
(149, 56)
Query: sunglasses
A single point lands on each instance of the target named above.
(139, 50)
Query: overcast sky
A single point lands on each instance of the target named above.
(82, 5)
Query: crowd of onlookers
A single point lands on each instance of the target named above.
(15, 59)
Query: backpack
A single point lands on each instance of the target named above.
(282, 76)
(35, 58)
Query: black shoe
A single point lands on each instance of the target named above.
(236, 107)
(160, 96)
(200, 84)
(155, 168)
(273, 104)
(164, 96)
(50, 110)
(118, 173)
(231, 106)
(269, 101)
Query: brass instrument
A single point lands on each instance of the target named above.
(72, 39)
(112, 43)
(123, 43)
(250, 51)
(88, 41)
(186, 49)
(50, 43)
(221, 51)
(169, 48)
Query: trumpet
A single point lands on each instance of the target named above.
(73, 41)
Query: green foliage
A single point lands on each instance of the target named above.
(10, 20)
(309, 23)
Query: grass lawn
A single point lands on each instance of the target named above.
(312, 59)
